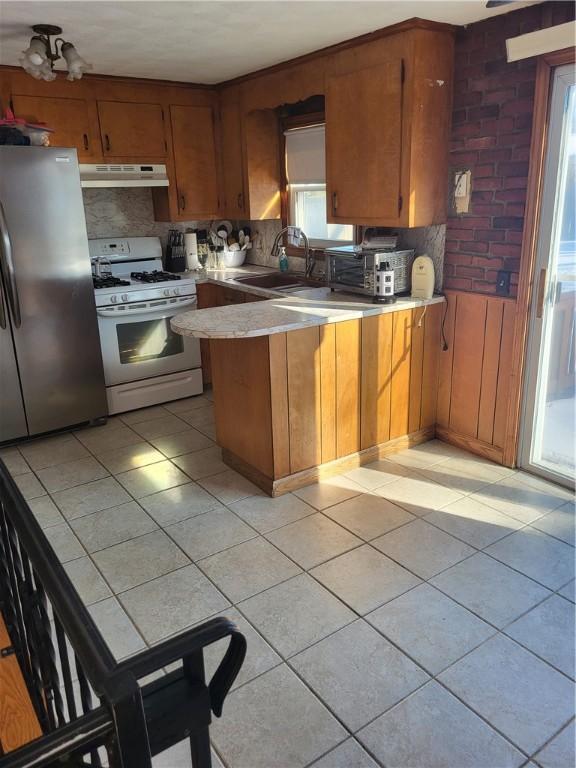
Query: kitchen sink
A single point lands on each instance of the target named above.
(277, 281)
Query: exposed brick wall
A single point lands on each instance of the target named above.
(491, 131)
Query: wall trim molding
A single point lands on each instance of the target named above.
(471, 444)
(345, 463)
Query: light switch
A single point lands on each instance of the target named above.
(461, 184)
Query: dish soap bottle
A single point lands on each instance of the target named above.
(283, 260)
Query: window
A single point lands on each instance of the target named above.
(306, 177)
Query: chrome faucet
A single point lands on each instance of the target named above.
(309, 259)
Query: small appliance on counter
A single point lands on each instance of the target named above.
(191, 250)
(384, 284)
(354, 269)
(422, 278)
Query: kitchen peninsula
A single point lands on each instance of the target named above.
(307, 387)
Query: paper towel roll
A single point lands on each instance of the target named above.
(191, 248)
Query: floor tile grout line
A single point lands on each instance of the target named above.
(355, 739)
(502, 631)
(551, 739)
(524, 752)
(516, 570)
(315, 760)
(258, 533)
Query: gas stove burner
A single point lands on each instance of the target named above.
(108, 281)
(157, 276)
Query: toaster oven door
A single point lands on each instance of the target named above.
(351, 273)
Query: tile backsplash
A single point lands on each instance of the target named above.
(126, 213)
(424, 240)
(430, 241)
(130, 213)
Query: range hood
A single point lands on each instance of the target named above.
(122, 175)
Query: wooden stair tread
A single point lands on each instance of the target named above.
(18, 722)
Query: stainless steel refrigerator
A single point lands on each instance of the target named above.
(51, 373)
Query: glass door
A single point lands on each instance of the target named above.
(547, 442)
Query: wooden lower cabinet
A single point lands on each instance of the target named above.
(295, 406)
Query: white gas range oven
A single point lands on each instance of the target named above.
(145, 362)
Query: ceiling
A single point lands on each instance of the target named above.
(208, 42)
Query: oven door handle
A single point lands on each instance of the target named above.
(124, 313)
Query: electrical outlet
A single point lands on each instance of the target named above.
(503, 283)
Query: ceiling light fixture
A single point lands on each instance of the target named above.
(38, 59)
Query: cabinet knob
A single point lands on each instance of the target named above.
(107, 142)
(85, 140)
(334, 202)
(240, 200)
(182, 202)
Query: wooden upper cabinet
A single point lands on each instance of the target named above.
(387, 132)
(195, 161)
(70, 118)
(232, 170)
(261, 133)
(132, 130)
(250, 162)
(364, 143)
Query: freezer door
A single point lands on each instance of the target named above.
(47, 276)
(12, 418)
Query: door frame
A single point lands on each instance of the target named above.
(526, 284)
(535, 340)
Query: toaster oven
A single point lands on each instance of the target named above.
(352, 268)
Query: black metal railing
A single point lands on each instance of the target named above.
(91, 709)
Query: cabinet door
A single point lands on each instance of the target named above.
(364, 144)
(232, 162)
(231, 296)
(132, 129)
(70, 119)
(262, 161)
(195, 161)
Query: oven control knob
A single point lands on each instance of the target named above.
(176, 291)
(166, 291)
(124, 297)
(113, 299)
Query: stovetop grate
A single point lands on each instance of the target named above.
(108, 282)
(156, 276)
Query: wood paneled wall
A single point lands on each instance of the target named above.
(475, 369)
(360, 383)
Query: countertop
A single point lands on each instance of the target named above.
(311, 307)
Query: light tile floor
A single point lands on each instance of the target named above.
(417, 612)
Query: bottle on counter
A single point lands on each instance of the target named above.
(203, 250)
(283, 259)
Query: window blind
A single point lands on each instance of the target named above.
(305, 155)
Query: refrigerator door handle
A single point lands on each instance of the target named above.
(3, 318)
(7, 267)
